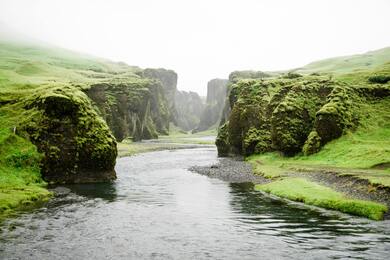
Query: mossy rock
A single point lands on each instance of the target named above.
(279, 114)
(77, 144)
(222, 141)
(312, 144)
(336, 115)
(256, 141)
(293, 117)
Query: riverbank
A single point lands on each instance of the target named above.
(316, 186)
(176, 140)
(361, 192)
(183, 215)
(21, 185)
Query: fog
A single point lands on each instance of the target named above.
(203, 39)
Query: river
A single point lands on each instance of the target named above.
(157, 209)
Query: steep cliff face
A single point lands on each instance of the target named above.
(185, 108)
(231, 97)
(76, 144)
(292, 114)
(168, 79)
(189, 107)
(134, 109)
(216, 95)
(72, 108)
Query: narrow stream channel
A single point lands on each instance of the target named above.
(157, 209)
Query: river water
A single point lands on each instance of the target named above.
(157, 209)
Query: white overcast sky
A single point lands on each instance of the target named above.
(205, 39)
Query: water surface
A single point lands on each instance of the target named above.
(157, 209)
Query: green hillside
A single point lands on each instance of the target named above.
(347, 64)
(52, 105)
(22, 63)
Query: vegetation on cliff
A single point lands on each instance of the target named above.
(58, 110)
(300, 114)
(332, 118)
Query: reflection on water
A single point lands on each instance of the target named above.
(106, 191)
(159, 210)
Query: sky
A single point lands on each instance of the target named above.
(205, 39)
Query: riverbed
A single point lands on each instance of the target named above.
(158, 209)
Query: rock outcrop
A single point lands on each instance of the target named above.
(185, 108)
(76, 143)
(288, 115)
(234, 77)
(216, 95)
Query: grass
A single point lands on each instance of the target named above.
(132, 148)
(347, 64)
(34, 64)
(21, 184)
(302, 190)
(180, 137)
(175, 140)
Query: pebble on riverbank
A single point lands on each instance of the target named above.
(233, 170)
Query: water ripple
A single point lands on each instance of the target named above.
(159, 210)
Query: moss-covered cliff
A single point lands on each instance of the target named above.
(61, 113)
(135, 109)
(76, 144)
(230, 97)
(168, 79)
(292, 114)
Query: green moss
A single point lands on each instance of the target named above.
(381, 79)
(337, 115)
(281, 110)
(301, 190)
(256, 141)
(21, 184)
(222, 141)
(312, 144)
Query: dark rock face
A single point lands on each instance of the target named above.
(288, 115)
(189, 107)
(168, 79)
(216, 95)
(185, 108)
(135, 109)
(77, 145)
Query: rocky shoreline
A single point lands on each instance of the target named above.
(234, 170)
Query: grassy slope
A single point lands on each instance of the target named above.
(24, 68)
(347, 64)
(20, 179)
(34, 64)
